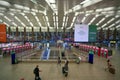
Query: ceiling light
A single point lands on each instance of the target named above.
(18, 6)
(85, 1)
(6, 23)
(1, 14)
(1, 8)
(31, 23)
(7, 18)
(109, 8)
(99, 10)
(34, 1)
(110, 20)
(5, 3)
(26, 8)
(54, 6)
(63, 24)
(104, 25)
(118, 26)
(37, 18)
(51, 1)
(117, 16)
(117, 22)
(112, 25)
(12, 14)
(22, 14)
(33, 13)
(0, 20)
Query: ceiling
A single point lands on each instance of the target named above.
(59, 14)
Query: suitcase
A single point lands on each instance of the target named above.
(112, 70)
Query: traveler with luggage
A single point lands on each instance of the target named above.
(36, 72)
(110, 67)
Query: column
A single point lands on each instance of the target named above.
(32, 34)
(24, 33)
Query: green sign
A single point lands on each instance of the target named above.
(92, 33)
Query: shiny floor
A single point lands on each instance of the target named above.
(52, 71)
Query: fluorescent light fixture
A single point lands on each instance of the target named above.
(112, 25)
(23, 24)
(117, 16)
(14, 24)
(37, 18)
(39, 24)
(85, 1)
(1, 14)
(51, 1)
(63, 18)
(110, 20)
(31, 24)
(34, 1)
(6, 23)
(76, 7)
(12, 10)
(0, 20)
(102, 20)
(12, 14)
(70, 10)
(22, 14)
(117, 22)
(63, 24)
(109, 8)
(104, 25)
(99, 10)
(25, 11)
(84, 18)
(33, 13)
(54, 6)
(48, 24)
(46, 18)
(7, 18)
(57, 24)
(26, 8)
(27, 18)
(19, 6)
(118, 26)
(90, 11)
(34, 10)
(5, 3)
(56, 17)
(54, 24)
(1, 8)
(93, 19)
(76, 13)
(19, 20)
(73, 19)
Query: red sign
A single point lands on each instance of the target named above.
(3, 35)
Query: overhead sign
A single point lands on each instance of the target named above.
(81, 33)
(3, 33)
(85, 33)
(92, 33)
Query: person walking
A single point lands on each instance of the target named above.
(59, 61)
(36, 72)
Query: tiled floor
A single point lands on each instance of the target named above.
(52, 71)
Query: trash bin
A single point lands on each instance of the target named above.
(13, 59)
(91, 56)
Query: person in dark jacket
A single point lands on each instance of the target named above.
(36, 72)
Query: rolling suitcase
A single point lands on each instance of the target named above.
(112, 70)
